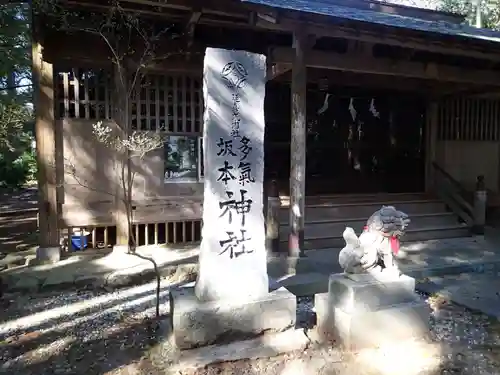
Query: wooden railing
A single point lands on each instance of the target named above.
(167, 233)
(155, 222)
(454, 195)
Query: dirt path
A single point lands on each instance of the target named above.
(21, 199)
(18, 232)
(89, 332)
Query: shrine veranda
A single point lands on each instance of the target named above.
(345, 111)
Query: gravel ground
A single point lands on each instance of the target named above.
(80, 332)
(90, 332)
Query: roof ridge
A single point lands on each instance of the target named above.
(329, 9)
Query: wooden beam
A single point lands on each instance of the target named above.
(403, 40)
(45, 129)
(193, 20)
(60, 48)
(190, 28)
(298, 146)
(352, 63)
(214, 7)
(340, 78)
(287, 24)
(431, 142)
(486, 94)
(276, 70)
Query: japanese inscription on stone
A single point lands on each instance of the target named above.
(233, 238)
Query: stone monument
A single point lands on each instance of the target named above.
(232, 297)
(372, 303)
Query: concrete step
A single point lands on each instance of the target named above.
(313, 282)
(318, 229)
(331, 240)
(332, 211)
(359, 198)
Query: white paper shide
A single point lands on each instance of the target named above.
(233, 256)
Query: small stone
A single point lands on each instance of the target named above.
(87, 280)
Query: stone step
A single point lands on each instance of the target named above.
(311, 282)
(331, 211)
(429, 233)
(320, 229)
(359, 198)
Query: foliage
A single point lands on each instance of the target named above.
(490, 11)
(17, 163)
(17, 160)
(138, 143)
(14, 42)
(16, 168)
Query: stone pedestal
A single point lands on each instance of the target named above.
(362, 311)
(48, 255)
(121, 249)
(197, 323)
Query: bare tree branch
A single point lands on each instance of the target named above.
(120, 30)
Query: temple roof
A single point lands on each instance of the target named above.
(329, 8)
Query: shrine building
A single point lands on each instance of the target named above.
(367, 103)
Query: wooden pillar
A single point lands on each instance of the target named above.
(480, 206)
(432, 124)
(273, 208)
(60, 191)
(43, 84)
(298, 148)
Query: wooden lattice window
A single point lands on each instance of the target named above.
(83, 93)
(173, 103)
(467, 119)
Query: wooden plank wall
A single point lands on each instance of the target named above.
(170, 103)
(468, 140)
(469, 119)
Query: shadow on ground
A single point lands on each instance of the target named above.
(80, 333)
(18, 233)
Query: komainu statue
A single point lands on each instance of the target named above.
(375, 248)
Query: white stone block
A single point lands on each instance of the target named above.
(48, 254)
(232, 253)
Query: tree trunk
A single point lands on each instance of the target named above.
(11, 84)
(122, 160)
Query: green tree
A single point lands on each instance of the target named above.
(16, 118)
(489, 11)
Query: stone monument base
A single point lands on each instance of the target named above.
(361, 311)
(198, 323)
(48, 255)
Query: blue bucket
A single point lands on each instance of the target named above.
(78, 242)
